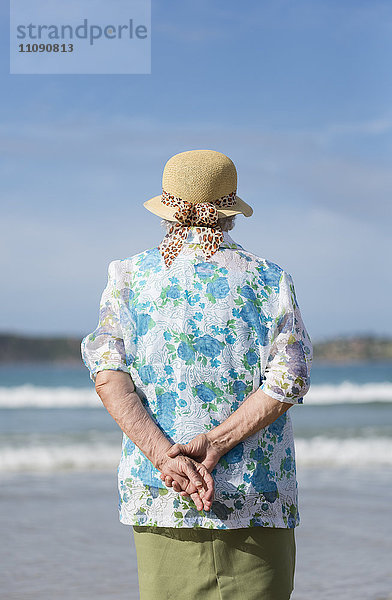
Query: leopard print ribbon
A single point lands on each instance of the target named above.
(203, 215)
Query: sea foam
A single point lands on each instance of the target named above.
(25, 396)
(317, 451)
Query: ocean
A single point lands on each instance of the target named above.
(59, 451)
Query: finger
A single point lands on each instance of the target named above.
(191, 489)
(209, 484)
(197, 500)
(197, 496)
(185, 494)
(176, 486)
(207, 504)
(168, 481)
(207, 493)
(181, 481)
(175, 450)
(193, 475)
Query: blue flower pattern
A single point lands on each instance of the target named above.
(198, 339)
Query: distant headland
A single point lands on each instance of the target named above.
(345, 349)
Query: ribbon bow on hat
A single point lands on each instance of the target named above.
(203, 215)
(197, 189)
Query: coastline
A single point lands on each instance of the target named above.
(65, 350)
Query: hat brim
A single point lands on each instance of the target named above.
(156, 206)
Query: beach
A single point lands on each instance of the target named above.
(61, 537)
(56, 543)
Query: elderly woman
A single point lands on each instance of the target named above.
(199, 352)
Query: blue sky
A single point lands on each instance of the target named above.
(298, 94)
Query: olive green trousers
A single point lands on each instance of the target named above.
(255, 563)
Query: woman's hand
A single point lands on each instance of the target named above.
(202, 450)
(191, 478)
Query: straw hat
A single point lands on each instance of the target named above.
(199, 176)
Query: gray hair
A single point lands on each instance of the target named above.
(225, 223)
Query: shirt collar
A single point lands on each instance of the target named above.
(228, 242)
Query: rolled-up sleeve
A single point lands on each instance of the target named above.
(287, 373)
(104, 347)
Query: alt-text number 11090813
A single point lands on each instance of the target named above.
(46, 47)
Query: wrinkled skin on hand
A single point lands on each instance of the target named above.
(204, 454)
(191, 479)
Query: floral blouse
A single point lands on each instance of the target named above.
(198, 338)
